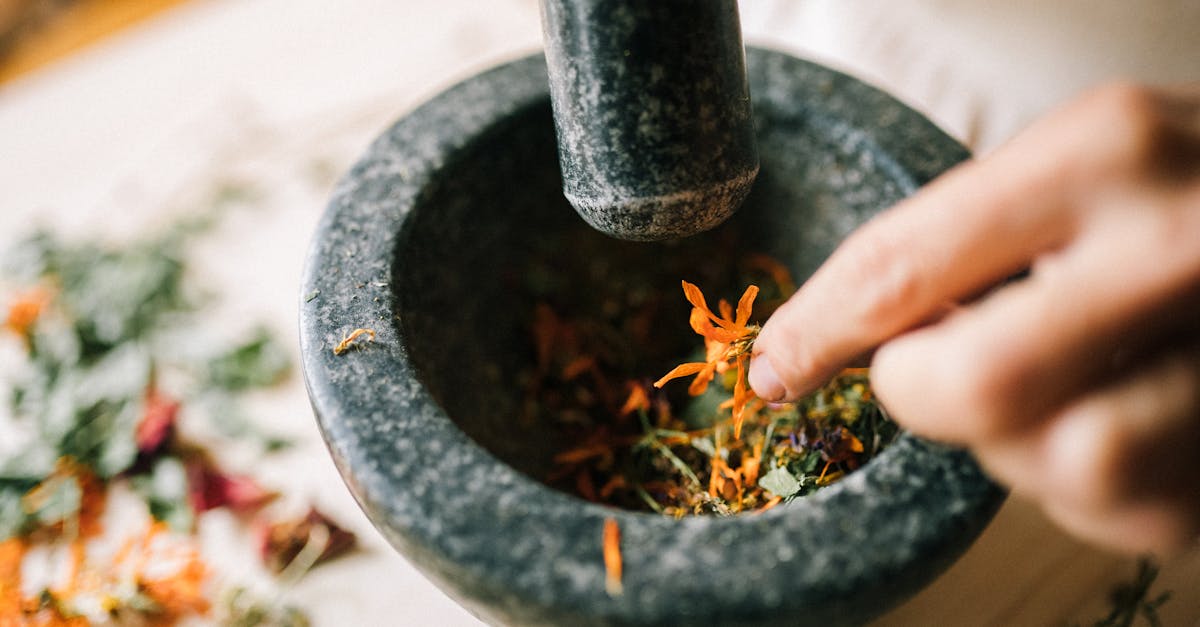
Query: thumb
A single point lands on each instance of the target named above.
(788, 360)
(908, 266)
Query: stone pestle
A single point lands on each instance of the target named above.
(652, 109)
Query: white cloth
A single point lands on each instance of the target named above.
(984, 69)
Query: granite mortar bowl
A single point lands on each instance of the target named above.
(422, 243)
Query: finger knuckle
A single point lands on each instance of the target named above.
(1092, 462)
(953, 397)
(885, 277)
(1136, 128)
(991, 390)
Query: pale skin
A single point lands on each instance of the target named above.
(1079, 385)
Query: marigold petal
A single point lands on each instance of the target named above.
(741, 395)
(715, 481)
(636, 401)
(682, 370)
(703, 378)
(694, 296)
(745, 304)
(702, 326)
(612, 557)
(700, 323)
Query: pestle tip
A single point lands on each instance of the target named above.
(678, 214)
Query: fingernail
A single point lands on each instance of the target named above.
(764, 381)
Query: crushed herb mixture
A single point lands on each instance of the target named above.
(95, 407)
(719, 450)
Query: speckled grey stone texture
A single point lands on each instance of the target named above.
(421, 242)
(652, 107)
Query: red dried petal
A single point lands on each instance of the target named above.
(282, 541)
(158, 422)
(210, 488)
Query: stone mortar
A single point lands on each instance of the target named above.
(421, 242)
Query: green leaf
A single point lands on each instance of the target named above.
(165, 490)
(13, 518)
(808, 464)
(779, 482)
(61, 499)
(259, 362)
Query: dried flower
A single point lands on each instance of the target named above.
(348, 340)
(210, 488)
(612, 557)
(158, 422)
(281, 543)
(637, 400)
(730, 340)
(25, 310)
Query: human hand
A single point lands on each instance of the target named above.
(1079, 385)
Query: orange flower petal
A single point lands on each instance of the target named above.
(12, 553)
(682, 370)
(715, 482)
(696, 297)
(741, 395)
(612, 557)
(700, 383)
(637, 400)
(726, 309)
(775, 500)
(703, 327)
(700, 323)
(745, 304)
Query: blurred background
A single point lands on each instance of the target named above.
(119, 117)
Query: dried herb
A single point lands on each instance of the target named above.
(612, 557)
(349, 339)
(721, 450)
(729, 341)
(1131, 600)
(258, 362)
(303, 543)
(240, 608)
(97, 402)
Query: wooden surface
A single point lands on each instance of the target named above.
(46, 31)
(117, 136)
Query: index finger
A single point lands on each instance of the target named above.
(969, 230)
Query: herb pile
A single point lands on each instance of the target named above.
(95, 408)
(719, 450)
